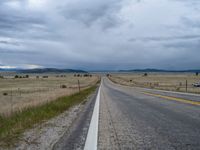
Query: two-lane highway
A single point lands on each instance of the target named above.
(134, 118)
(130, 118)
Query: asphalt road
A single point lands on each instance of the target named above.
(136, 118)
(75, 137)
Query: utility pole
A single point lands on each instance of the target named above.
(79, 88)
(186, 85)
(11, 101)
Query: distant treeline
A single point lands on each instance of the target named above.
(82, 75)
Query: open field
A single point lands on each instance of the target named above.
(162, 81)
(12, 127)
(16, 94)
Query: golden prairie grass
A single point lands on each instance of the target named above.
(162, 81)
(24, 93)
(12, 126)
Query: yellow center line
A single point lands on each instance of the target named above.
(173, 98)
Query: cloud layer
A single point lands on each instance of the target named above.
(100, 34)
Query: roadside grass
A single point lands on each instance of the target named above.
(13, 126)
(165, 81)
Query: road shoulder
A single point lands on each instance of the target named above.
(46, 134)
(74, 138)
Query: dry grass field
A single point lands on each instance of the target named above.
(20, 93)
(162, 81)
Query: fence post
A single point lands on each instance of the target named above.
(11, 101)
(19, 90)
(79, 89)
(186, 85)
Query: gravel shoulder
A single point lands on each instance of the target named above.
(75, 137)
(44, 136)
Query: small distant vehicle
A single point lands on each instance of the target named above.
(196, 84)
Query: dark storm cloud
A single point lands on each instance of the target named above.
(18, 52)
(100, 34)
(158, 39)
(91, 12)
(192, 46)
(16, 22)
(10, 24)
(9, 43)
(191, 23)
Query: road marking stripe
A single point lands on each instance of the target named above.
(173, 98)
(173, 92)
(92, 136)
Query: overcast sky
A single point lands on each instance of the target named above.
(100, 34)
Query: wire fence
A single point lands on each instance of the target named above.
(17, 99)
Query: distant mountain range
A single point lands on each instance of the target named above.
(55, 70)
(10, 70)
(159, 70)
(43, 70)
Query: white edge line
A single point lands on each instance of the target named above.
(92, 136)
